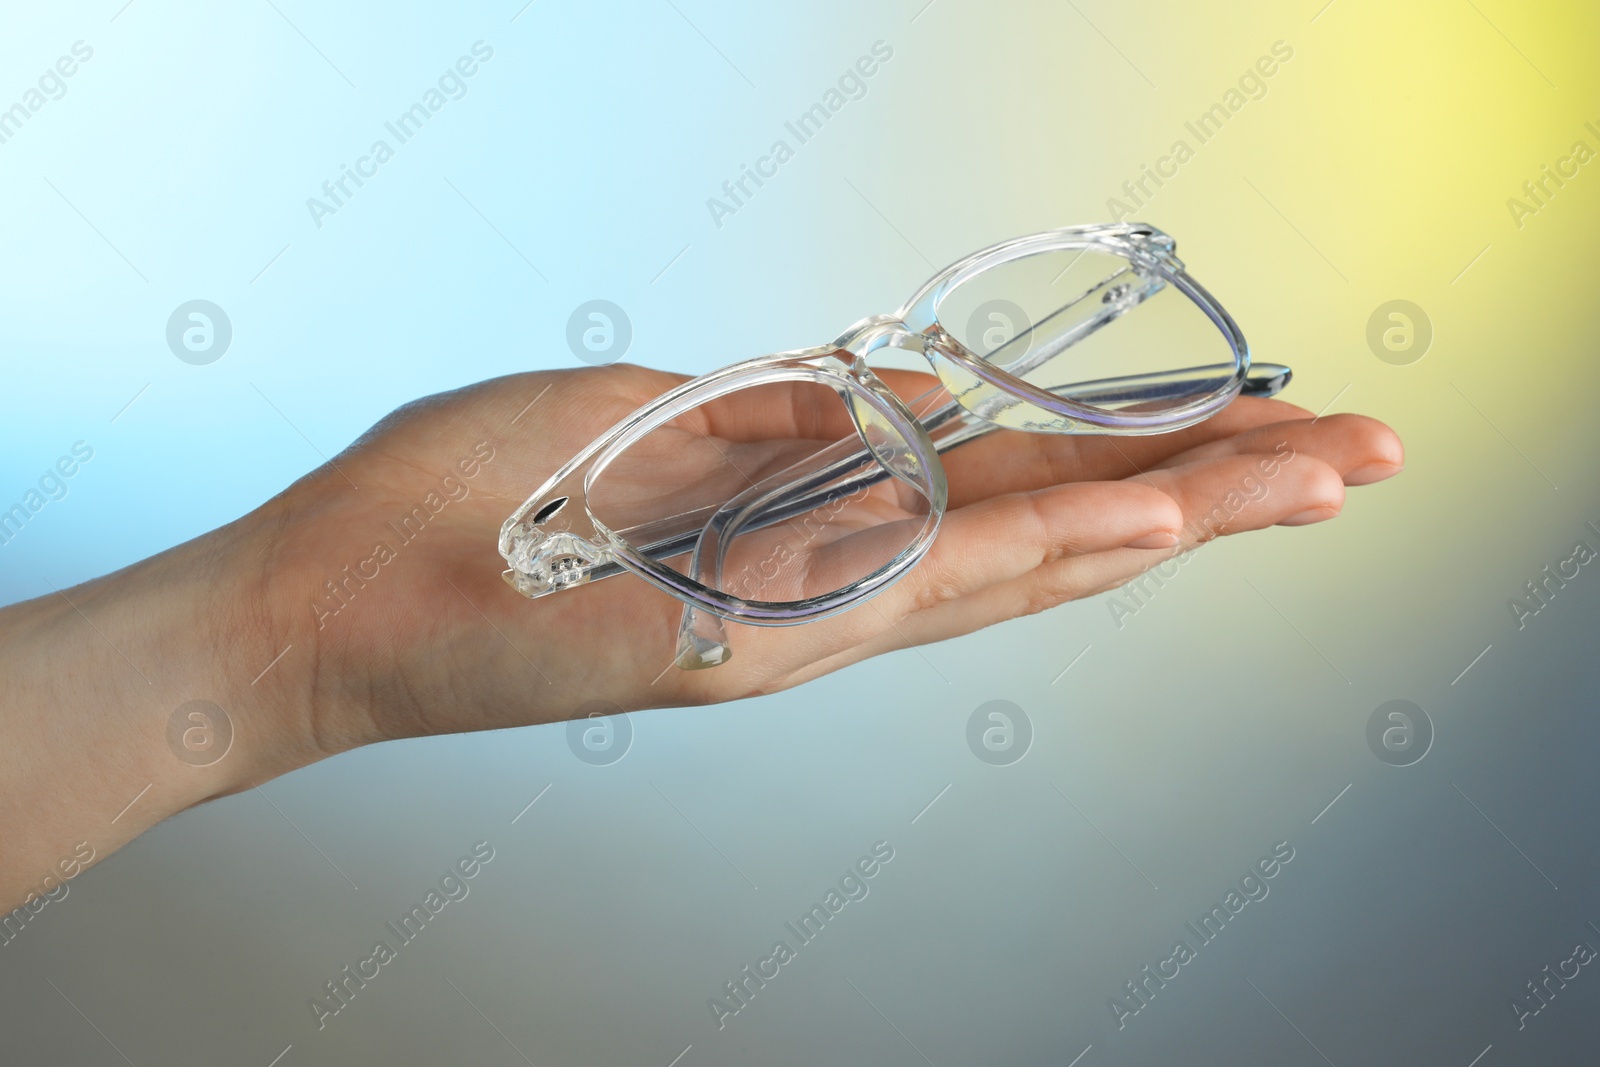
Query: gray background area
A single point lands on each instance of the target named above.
(1170, 750)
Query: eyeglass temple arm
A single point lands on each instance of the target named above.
(948, 426)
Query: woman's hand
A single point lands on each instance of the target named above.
(372, 588)
(436, 642)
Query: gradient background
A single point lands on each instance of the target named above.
(1222, 718)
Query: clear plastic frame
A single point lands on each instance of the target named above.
(655, 497)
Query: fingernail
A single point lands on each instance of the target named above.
(1159, 539)
(1309, 516)
(1372, 472)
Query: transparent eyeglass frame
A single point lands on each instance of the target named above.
(551, 545)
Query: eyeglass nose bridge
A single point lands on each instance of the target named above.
(867, 337)
(877, 332)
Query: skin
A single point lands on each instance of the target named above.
(437, 643)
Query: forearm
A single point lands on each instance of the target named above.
(93, 679)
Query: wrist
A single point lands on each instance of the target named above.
(130, 699)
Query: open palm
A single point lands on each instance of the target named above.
(384, 560)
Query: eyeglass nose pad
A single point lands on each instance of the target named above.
(886, 444)
(702, 640)
(973, 393)
(702, 637)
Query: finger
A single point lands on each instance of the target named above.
(993, 542)
(1361, 449)
(982, 597)
(1231, 494)
(999, 463)
(1006, 538)
(1015, 461)
(1023, 461)
(1218, 497)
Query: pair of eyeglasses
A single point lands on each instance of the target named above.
(828, 487)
